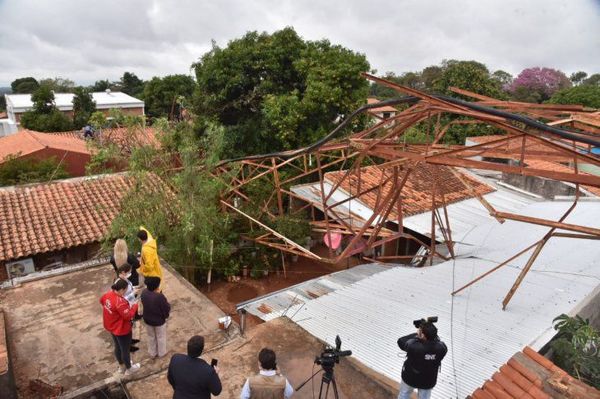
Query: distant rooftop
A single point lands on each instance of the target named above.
(64, 101)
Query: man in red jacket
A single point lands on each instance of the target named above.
(117, 316)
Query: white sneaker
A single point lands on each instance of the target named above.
(134, 367)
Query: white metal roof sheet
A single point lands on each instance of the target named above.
(372, 313)
(64, 101)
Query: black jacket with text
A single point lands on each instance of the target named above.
(423, 360)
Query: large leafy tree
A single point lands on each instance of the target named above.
(24, 85)
(83, 107)
(538, 84)
(469, 75)
(45, 117)
(587, 95)
(278, 91)
(131, 84)
(59, 85)
(165, 96)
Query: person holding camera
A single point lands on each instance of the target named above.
(424, 354)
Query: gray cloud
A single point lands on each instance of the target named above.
(91, 40)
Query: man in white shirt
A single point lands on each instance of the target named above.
(267, 383)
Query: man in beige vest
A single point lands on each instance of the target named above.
(267, 384)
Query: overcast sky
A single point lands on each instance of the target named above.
(92, 40)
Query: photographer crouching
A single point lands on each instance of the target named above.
(424, 354)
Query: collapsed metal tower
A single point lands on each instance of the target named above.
(384, 147)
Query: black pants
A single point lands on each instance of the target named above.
(122, 344)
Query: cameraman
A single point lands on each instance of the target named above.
(424, 354)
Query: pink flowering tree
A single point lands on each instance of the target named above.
(537, 84)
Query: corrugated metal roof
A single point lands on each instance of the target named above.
(279, 303)
(64, 101)
(372, 313)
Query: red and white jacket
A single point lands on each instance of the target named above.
(117, 313)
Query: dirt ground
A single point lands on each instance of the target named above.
(296, 350)
(226, 295)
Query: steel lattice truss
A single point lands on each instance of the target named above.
(383, 145)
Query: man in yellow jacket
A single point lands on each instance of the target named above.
(149, 265)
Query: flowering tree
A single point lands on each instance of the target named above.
(537, 84)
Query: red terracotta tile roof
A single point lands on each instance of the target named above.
(44, 217)
(512, 149)
(27, 142)
(416, 193)
(385, 108)
(530, 375)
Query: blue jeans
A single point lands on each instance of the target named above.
(406, 390)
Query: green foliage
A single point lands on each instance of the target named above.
(105, 159)
(101, 85)
(575, 348)
(98, 120)
(17, 170)
(163, 96)
(55, 121)
(45, 117)
(593, 80)
(586, 95)
(468, 75)
(24, 85)
(295, 229)
(59, 85)
(83, 107)
(277, 91)
(132, 85)
(578, 77)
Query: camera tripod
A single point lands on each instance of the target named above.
(327, 379)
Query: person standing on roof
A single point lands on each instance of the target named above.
(117, 315)
(424, 354)
(150, 265)
(122, 256)
(268, 383)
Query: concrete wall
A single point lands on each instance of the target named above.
(537, 185)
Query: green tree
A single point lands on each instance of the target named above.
(18, 170)
(45, 117)
(277, 91)
(101, 85)
(576, 348)
(132, 85)
(468, 75)
(582, 94)
(503, 78)
(83, 107)
(578, 77)
(593, 80)
(24, 85)
(59, 85)
(164, 95)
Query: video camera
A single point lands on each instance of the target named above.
(330, 355)
(431, 319)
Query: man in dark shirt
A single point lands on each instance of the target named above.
(424, 354)
(190, 376)
(156, 312)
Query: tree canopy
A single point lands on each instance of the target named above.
(583, 94)
(45, 117)
(59, 85)
(277, 91)
(163, 96)
(24, 85)
(538, 84)
(131, 84)
(83, 107)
